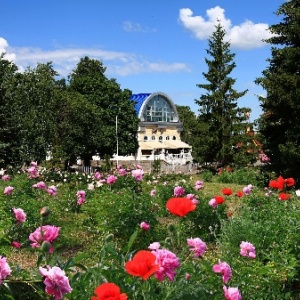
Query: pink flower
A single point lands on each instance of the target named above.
(145, 226)
(154, 246)
(111, 179)
(19, 215)
(137, 174)
(153, 193)
(179, 191)
(45, 233)
(122, 172)
(40, 185)
(167, 262)
(56, 282)
(6, 178)
(16, 245)
(139, 167)
(247, 249)
(33, 172)
(97, 176)
(224, 268)
(33, 163)
(198, 185)
(8, 190)
(232, 293)
(197, 246)
(4, 269)
(213, 203)
(247, 189)
(52, 190)
(81, 194)
(192, 198)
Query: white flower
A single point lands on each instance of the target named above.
(298, 193)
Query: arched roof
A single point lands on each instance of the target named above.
(143, 98)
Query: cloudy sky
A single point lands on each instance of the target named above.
(147, 45)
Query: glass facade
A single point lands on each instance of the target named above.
(158, 110)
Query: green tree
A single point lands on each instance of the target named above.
(279, 124)
(223, 123)
(191, 128)
(89, 80)
(8, 127)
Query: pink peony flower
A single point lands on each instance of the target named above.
(154, 246)
(198, 185)
(224, 269)
(192, 198)
(33, 172)
(111, 179)
(52, 190)
(40, 185)
(153, 193)
(167, 262)
(247, 249)
(213, 203)
(122, 172)
(8, 190)
(232, 293)
(137, 174)
(45, 233)
(97, 176)
(5, 178)
(16, 245)
(145, 226)
(179, 191)
(247, 189)
(197, 246)
(19, 215)
(56, 282)
(4, 269)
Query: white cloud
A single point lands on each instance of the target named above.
(244, 36)
(136, 27)
(3, 49)
(65, 60)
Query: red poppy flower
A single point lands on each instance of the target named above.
(289, 181)
(280, 183)
(142, 264)
(239, 194)
(227, 191)
(108, 291)
(219, 199)
(180, 206)
(284, 196)
(273, 184)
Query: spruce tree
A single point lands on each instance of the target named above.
(279, 124)
(223, 132)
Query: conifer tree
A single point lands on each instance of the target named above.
(223, 132)
(279, 124)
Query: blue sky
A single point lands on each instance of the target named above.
(147, 45)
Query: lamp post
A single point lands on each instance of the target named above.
(117, 139)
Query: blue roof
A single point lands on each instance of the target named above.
(139, 100)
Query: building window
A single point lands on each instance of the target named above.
(158, 109)
(174, 138)
(145, 138)
(167, 138)
(153, 138)
(160, 139)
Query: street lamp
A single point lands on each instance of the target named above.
(117, 139)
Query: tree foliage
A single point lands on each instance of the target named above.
(281, 106)
(223, 124)
(39, 112)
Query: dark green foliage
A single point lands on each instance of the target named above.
(281, 107)
(222, 123)
(271, 226)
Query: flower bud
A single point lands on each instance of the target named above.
(46, 246)
(109, 237)
(44, 211)
(171, 228)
